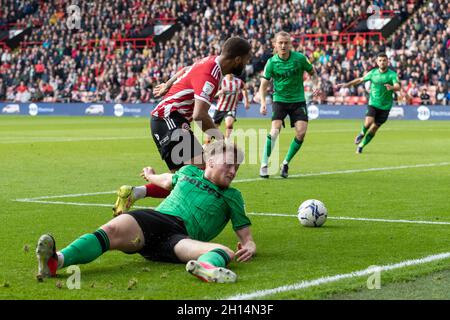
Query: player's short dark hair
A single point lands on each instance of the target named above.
(382, 55)
(235, 47)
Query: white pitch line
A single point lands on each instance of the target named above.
(325, 280)
(355, 219)
(83, 204)
(87, 204)
(66, 196)
(424, 165)
(62, 139)
(261, 179)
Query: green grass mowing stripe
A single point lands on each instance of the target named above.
(257, 179)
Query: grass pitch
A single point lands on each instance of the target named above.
(56, 174)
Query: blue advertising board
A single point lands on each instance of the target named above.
(320, 111)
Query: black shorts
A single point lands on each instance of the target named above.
(380, 115)
(175, 140)
(161, 233)
(220, 115)
(296, 111)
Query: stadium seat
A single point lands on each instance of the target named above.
(331, 100)
(347, 100)
(339, 100)
(362, 100)
(354, 100)
(416, 101)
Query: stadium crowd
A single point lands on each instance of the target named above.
(86, 65)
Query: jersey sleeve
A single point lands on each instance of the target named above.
(307, 66)
(267, 74)
(368, 76)
(205, 88)
(395, 78)
(239, 219)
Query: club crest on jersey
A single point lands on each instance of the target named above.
(208, 88)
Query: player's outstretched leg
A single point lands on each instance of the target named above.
(369, 136)
(293, 149)
(361, 135)
(209, 273)
(46, 256)
(128, 195)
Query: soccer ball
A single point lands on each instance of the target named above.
(312, 213)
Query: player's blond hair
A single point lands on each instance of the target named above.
(222, 147)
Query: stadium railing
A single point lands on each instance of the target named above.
(136, 43)
(342, 38)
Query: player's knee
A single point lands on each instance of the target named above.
(274, 133)
(112, 230)
(300, 136)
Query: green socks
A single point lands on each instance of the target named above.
(267, 150)
(367, 138)
(293, 149)
(216, 257)
(364, 130)
(86, 248)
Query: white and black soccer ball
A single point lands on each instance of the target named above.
(312, 213)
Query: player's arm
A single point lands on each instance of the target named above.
(219, 93)
(354, 82)
(395, 86)
(315, 81)
(246, 247)
(162, 88)
(204, 121)
(245, 95)
(161, 180)
(262, 95)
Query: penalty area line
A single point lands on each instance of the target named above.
(330, 279)
(423, 165)
(87, 204)
(355, 218)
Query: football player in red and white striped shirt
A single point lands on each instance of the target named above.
(231, 91)
(189, 96)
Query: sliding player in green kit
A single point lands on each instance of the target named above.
(179, 229)
(286, 69)
(383, 83)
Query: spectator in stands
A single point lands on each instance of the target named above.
(412, 90)
(22, 93)
(2, 90)
(403, 98)
(425, 97)
(441, 95)
(105, 21)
